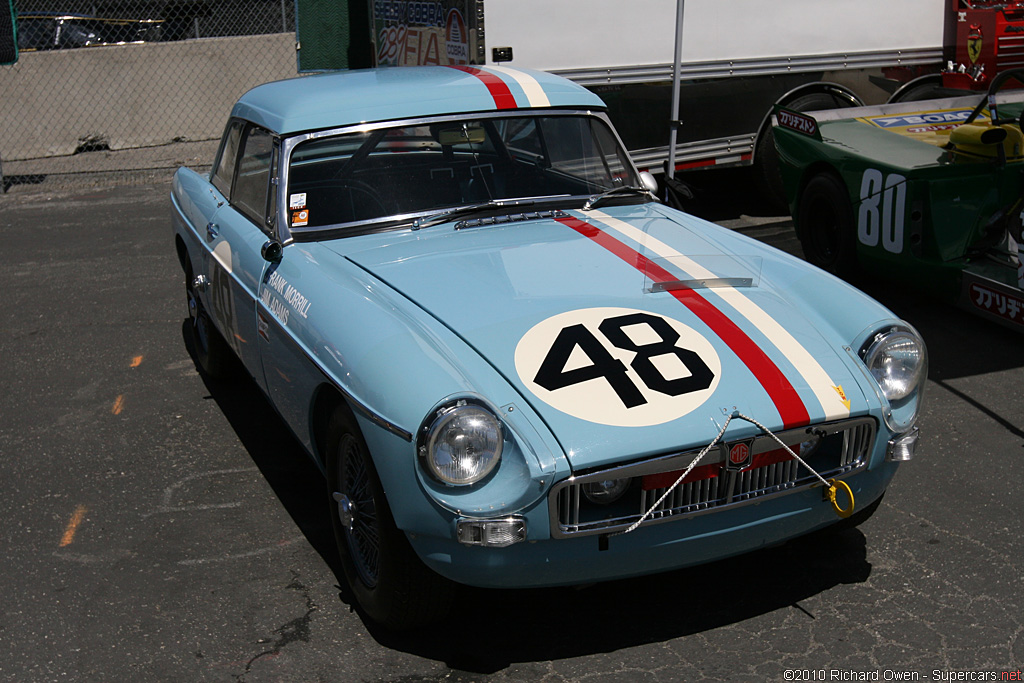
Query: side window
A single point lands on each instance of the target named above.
(224, 169)
(271, 213)
(575, 146)
(252, 181)
(612, 153)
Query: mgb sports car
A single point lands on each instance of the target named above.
(514, 366)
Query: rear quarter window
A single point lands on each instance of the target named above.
(224, 168)
(252, 184)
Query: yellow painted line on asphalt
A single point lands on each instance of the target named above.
(119, 401)
(73, 524)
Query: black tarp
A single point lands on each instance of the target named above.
(8, 33)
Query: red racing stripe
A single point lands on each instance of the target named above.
(503, 98)
(786, 399)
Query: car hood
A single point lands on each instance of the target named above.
(631, 331)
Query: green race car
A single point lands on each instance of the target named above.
(926, 192)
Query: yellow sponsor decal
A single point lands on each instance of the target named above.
(929, 125)
(842, 396)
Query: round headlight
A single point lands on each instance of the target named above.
(898, 361)
(463, 444)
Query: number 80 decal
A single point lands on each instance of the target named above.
(882, 208)
(618, 366)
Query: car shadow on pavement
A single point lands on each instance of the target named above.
(960, 344)
(527, 625)
(280, 458)
(497, 628)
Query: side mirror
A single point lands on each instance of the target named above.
(648, 181)
(272, 251)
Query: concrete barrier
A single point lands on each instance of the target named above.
(124, 96)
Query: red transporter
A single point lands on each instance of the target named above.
(989, 39)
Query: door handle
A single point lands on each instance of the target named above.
(212, 230)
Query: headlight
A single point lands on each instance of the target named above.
(898, 361)
(463, 444)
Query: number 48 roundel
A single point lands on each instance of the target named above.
(618, 366)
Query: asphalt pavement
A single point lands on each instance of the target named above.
(160, 526)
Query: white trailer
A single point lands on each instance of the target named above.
(730, 61)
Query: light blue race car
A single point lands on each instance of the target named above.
(515, 367)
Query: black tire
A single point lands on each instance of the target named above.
(214, 356)
(391, 584)
(923, 89)
(825, 226)
(766, 159)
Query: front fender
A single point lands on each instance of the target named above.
(329, 321)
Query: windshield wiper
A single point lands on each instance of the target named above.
(462, 211)
(615, 191)
(450, 214)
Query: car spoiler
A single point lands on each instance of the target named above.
(797, 121)
(962, 102)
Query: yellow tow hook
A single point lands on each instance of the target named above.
(832, 484)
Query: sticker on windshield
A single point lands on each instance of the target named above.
(618, 366)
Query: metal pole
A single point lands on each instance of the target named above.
(674, 121)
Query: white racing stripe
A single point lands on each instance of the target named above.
(534, 92)
(826, 390)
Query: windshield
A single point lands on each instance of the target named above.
(407, 171)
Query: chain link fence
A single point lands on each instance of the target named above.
(98, 77)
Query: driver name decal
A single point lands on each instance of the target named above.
(618, 366)
(295, 299)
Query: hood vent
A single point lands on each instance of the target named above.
(509, 218)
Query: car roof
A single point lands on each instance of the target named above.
(336, 99)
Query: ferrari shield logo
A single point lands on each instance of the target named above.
(974, 44)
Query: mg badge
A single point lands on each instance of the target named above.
(740, 456)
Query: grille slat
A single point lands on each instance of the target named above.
(851, 441)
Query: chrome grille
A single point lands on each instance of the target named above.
(841, 448)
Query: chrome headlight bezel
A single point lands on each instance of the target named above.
(461, 443)
(897, 360)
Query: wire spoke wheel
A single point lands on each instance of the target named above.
(200, 329)
(360, 521)
(212, 353)
(388, 580)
